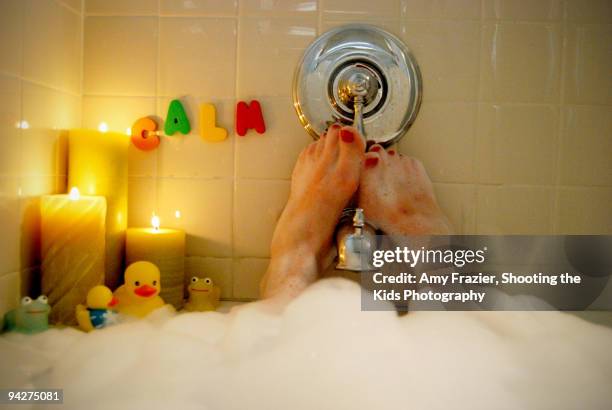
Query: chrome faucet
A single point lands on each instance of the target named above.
(356, 240)
(357, 87)
(364, 76)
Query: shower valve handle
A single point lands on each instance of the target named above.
(358, 119)
(358, 89)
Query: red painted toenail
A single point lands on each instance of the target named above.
(335, 126)
(391, 152)
(347, 135)
(375, 148)
(371, 162)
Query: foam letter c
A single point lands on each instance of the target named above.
(142, 134)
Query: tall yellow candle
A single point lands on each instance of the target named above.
(166, 249)
(98, 165)
(72, 245)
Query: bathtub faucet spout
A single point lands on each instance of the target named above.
(355, 240)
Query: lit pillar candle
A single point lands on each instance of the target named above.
(166, 249)
(72, 247)
(98, 165)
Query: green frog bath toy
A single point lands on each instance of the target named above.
(203, 295)
(31, 317)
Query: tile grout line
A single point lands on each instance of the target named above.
(82, 68)
(233, 202)
(561, 121)
(436, 182)
(320, 17)
(20, 133)
(177, 16)
(476, 169)
(157, 79)
(277, 97)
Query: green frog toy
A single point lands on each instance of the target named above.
(31, 317)
(203, 295)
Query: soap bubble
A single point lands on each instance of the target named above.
(320, 352)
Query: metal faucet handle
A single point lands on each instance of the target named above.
(361, 75)
(358, 87)
(359, 84)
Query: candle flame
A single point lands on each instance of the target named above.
(103, 127)
(177, 214)
(128, 131)
(155, 222)
(75, 194)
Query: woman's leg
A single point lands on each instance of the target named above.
(324, 180)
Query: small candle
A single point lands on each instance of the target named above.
(98, 165)
(165, 248)
(72, 247)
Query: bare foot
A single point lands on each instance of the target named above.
(324, 180)
(396, 194)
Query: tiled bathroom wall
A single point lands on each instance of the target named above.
(40, 95)
(515, 126)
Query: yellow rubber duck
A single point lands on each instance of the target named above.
(139, 295)
(203, 295)
(97, 314)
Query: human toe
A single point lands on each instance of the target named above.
(330, 147)
(353, 141)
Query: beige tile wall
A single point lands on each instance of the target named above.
(514, 128)
(40, 95)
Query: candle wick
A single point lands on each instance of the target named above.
(155, 223)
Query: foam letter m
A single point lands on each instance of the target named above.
(249, 117)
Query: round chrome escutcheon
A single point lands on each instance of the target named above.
(364, 58)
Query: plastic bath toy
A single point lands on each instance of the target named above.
(97, 314)
(208, 130)
(139, 295)
(249, 116)
(31, 317)
(203, 295)
(143, 134)
(177, 120)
